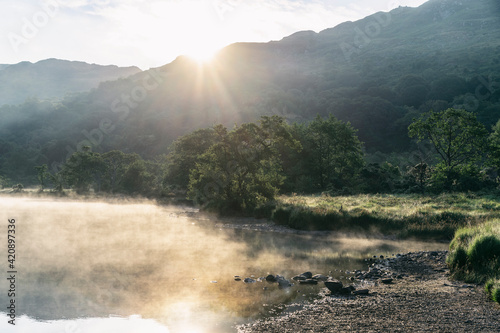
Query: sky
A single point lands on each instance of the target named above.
(152, 33)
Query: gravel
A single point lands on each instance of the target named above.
(424, 300)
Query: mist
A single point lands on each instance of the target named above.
(80, 259)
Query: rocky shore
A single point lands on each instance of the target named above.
(406, 293)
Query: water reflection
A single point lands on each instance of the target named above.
(93, 259)
(131, 324)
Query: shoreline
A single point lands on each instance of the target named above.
(424, 300)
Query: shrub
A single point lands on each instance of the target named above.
(457, 259)
(488, 286)
(484, 250)
(495, 294)
(475, 256)
(463, 237)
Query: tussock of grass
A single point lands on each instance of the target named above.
(406, 215)
(475, 256)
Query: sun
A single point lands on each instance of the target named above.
(202, 52)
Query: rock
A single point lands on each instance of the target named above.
(320, 277)
(361, 292)
(283, 283)
(345, 291)
(307, 275)
(333, 285)
(299, 278)
(308, 281)
(249, 280)
(237, 279)
(386, 281)
(270, 278)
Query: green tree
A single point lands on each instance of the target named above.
(3, 182)
(242, 170)
(137, 179)
(42, 175)
(494, 146)
(116, 165)
(57, 180)
(83, 169)
(336, 156)
(420, 173)
(458, 138)
(185, 152)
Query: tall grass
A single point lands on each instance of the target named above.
(436, 217)
(475, 256)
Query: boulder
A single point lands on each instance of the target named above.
(345, 290)
(333, 285)
(320, 277)
(270, 278)
(361, 292)
(308, 281)
(249, 280)
(283, 283)
(307, 275)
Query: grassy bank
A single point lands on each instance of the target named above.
(475, 256)
(421, 216)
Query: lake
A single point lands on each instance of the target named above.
(117, 265)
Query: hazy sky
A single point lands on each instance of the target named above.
(151, 33)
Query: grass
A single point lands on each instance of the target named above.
(475, 256)
(421, 216)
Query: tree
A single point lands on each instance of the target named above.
(494, 145)
(42, 175)
(242, 170)
(420, 173)
(336, 157)
(116, 164)
(458, 138)
(185, 152)
(82, 169)
(3, 182)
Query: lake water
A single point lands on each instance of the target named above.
(136, 266)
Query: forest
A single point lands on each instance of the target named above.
(442, 57)
(243, 169)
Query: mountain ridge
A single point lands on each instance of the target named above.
(53, 78)
(377, 73)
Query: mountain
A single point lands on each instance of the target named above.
(53, 78)
(377, 73)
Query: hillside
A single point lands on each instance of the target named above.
(53, 78)
(378, 73)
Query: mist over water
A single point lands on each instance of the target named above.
(78, 260)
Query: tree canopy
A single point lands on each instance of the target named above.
(458, 138)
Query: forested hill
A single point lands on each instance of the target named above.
(378, 73)
(54, 78)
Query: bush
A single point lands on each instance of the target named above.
(484, 250)
(495, 294)
(457, 259)
(475, 256)
(492, 288)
